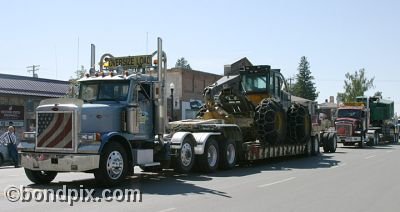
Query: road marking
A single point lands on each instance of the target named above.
(340, 165)
(371, 156)
(167, 210)
(277, 182)
(389, 151)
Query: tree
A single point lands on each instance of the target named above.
(355, 85)
(182, 63)
(378, 93)
(304, 86)
(74, 84)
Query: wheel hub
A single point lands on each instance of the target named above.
(115, 164)
(212, 156)
(186, 154)
(230, 153)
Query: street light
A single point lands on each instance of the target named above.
(172, 87)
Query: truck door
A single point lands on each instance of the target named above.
(145, 113)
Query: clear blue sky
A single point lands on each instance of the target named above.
(336, 36)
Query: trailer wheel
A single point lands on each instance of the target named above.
(325, 142)
(228, 155)
(332, 142)
(309, 147)
(113, 166)
(208, 161)
(315, 145)
(40, 177)
(185, 156)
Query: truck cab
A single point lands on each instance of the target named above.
(116, 122)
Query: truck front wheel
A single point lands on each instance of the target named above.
(113, 165)
(40, 177)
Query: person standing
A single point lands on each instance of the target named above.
(10, 139)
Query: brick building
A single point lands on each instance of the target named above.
(188, 91)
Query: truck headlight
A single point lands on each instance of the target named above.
(29, 135)
(88, 137)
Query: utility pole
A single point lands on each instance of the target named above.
(290, 82)
(33, 69)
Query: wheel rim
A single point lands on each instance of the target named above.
(230, 153)
(115, 164)
(212, 156)
(186, 154)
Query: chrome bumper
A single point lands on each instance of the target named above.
(59, 162)
(349, 139)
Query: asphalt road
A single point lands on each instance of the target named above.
(351, 179)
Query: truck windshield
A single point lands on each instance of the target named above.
(104, 91)
(349, 113)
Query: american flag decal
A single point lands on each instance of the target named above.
(54, 130)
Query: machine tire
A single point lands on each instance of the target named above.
(270, 122)
(299, 123)
(109, 172)
(40, 177)
(185, 156)
(208, 161)
(228, 155)
(315, 145)
(332, 142)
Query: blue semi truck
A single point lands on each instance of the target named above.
(118, 121)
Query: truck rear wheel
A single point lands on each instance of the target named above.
(113, 166)
(185, 156)
(40, 177)
(208, 161)
(228, 155)
(270, 122)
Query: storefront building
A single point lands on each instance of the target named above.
(20, 95)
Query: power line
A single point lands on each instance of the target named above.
(33, 69)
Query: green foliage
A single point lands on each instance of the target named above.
(355, 85)
(182, 63)
(378, 93)
(304, 86)
(74, 84)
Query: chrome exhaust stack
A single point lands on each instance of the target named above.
(161, 111)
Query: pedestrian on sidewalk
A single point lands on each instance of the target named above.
(10, 140)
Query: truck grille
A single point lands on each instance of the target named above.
(54, 130)
(343, 129)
